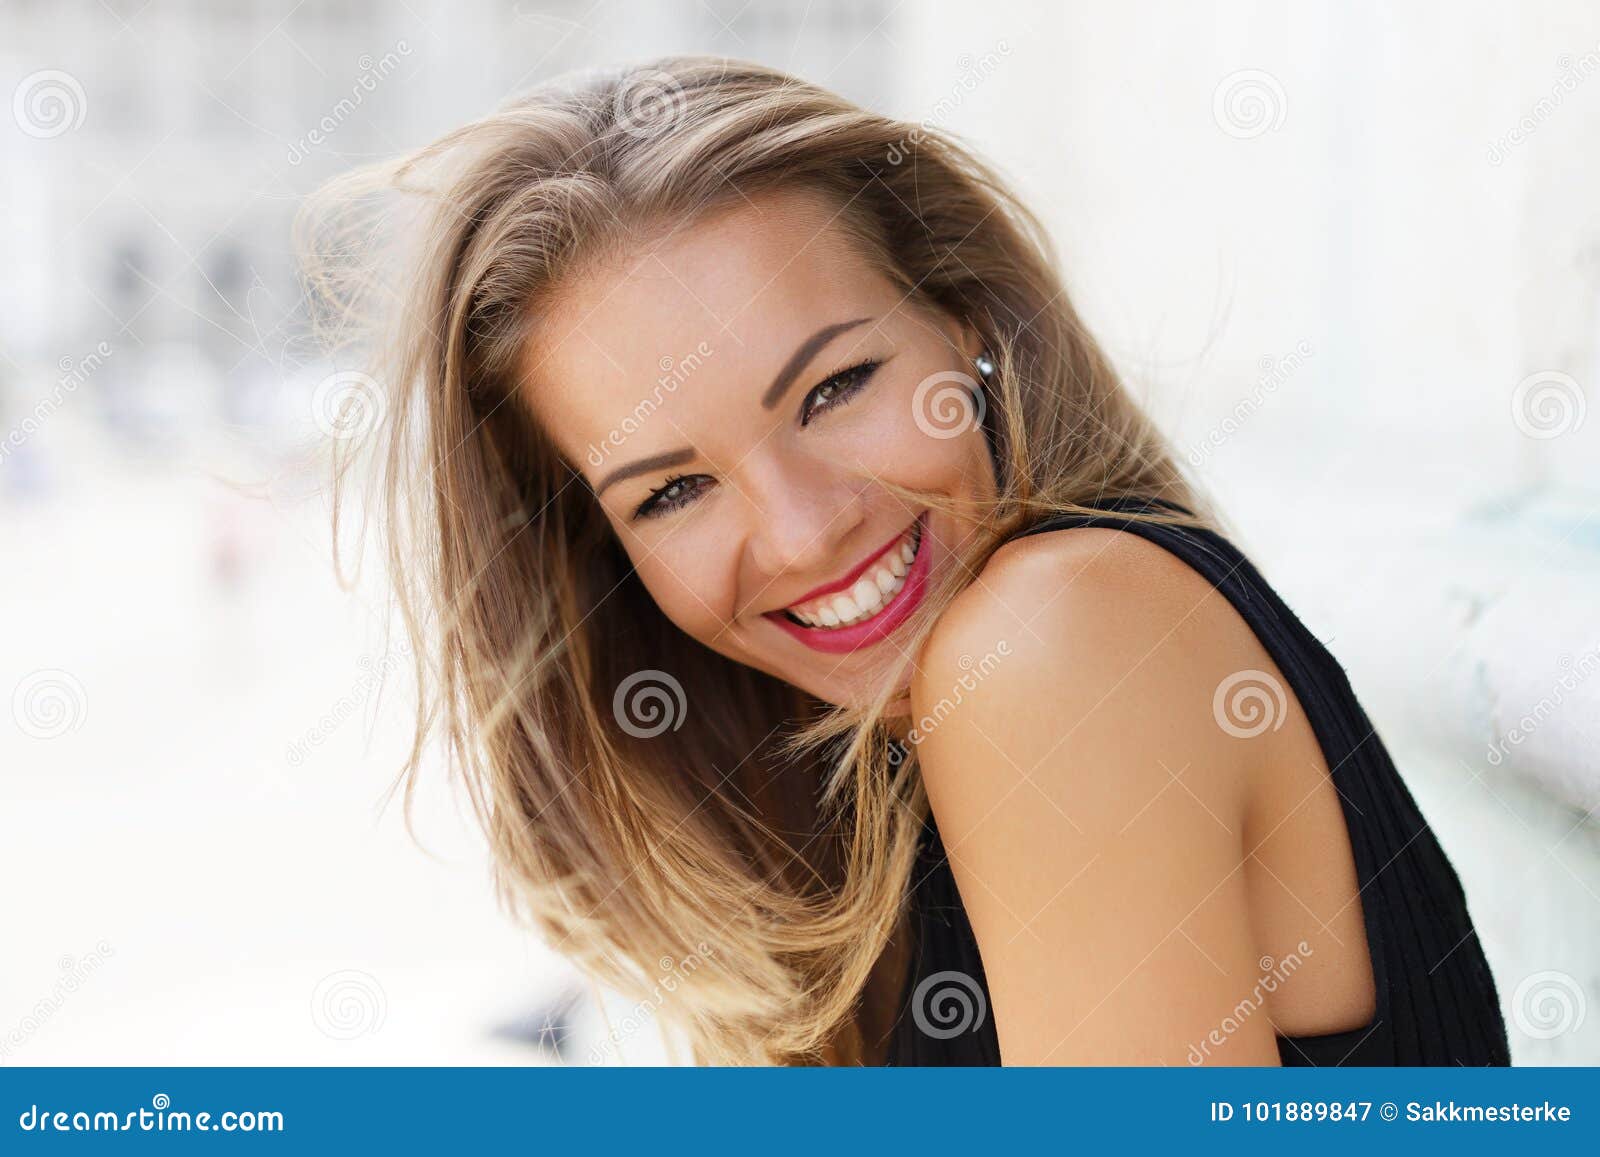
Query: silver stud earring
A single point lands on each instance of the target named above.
(985, 365)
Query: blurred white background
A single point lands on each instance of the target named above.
(1349, 254)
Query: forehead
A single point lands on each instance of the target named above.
(749, 284)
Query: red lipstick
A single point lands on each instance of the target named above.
(839, 640)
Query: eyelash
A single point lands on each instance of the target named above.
(853, 377)
(850, 381)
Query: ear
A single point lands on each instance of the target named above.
(964, 336)
(972, 343)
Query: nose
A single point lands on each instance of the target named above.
(801, 512)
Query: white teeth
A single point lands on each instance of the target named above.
(871, 593)
(866, 594)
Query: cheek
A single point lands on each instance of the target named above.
(690, 588)
(924, 437)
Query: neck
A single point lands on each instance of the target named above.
(897, 718)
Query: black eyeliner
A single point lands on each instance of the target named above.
(863, 371)
(869, 364)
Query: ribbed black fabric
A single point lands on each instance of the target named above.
(1436, 998)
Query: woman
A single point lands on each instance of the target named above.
(833, 651)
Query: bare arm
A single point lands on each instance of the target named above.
(1091, 807)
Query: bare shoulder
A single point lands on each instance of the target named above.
(1092, 617)
(1056, 574)
(1090, 803)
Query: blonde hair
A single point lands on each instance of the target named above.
(765, 834)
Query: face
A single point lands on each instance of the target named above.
(737, 394)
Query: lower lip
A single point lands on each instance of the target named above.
(852, 638)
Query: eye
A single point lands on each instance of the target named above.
(681, 490)
(836, 390)
(673, 494)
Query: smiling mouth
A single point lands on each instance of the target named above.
(873, 591)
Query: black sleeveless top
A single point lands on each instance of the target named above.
(1436, 998)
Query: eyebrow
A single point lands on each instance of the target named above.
(774, 393)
